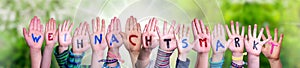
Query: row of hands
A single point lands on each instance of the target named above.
(151, 36)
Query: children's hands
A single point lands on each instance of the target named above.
(34, 37)
(150, 36)
(237, 44)
(253, 43)
(97, 39)
(167, 39)
(80, 40)
(64, 36)
(220, 45)
(272, 48)
(201, 37)
(133, 34)
(51, 33)
(113, 35)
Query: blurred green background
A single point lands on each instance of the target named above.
(281, 14)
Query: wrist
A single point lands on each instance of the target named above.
(62, 48)
(237, 58)
(217, 57)
(253, 61)
(182, 57)
(275, 63)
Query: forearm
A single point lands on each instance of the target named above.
(96, 56)
(275, 63)
(182, 57)
(113, 53)
(163, 59)
(253, 61)
(202, 60)
(143, 58)
(61, 49)
(217, 57)
(217, 60)
(238, 55)
(36, 57)
(47, 55)
(134, 57)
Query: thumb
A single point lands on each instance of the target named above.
(25, 33)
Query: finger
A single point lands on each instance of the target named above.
(155, 22)
(255, 30)
(158, 32)
(202, 26)
(131, 23)
(268, 32)
(227, 30)
(87, 29)
(249, 31)
(171, 30)
(145, 28)
(66, 25)
(109, 28)
(218, 30)
(152, 24)
(135, 27)
(165, 28)
(127, 27)
(243, 31)
(197, 26)
(138, 27)
(237, 28)
(135, 23)
(115, 24)
(54, 25)
(222, 30)
(48, 26)
(103, 25)
(76, 31)
(70, 28)
(246, 40)
(98, 24)
(94, 26)
(232, 27)
(118, 25)
(182, 33)
(264, 37)
(187, 32)
(51, 24)
(84, 28)
(276, 34)
(149, 25)
(79, 28)
(265, 41)
(280, 39)
(41, 28)
(25, 33)
(59, 28)
(35, 24)
(260, 33)
(214, 34)
(207, 30)
(195, 32)
(31, 25)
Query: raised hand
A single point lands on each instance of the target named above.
(253, 43)
(64, 35)
(167, 39)
(201, 37)
(34, 37)
(51, 33)
(183, 46)
(113, 35)
(272, 48)
(219, 43)
(133, 34)
(80, 41)
(150, 36)
(98, 41)
(237, 45)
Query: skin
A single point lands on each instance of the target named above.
(266, 49)
(183, 33)
(234, 33)
(170, 34)
(35, 28)
(50, 28)
(80, 34)
(64, 29)
(98, 48)
(132, 28)
(253, 54)
(201, 32)
(114, 28)
(219, 35)
(149, 31)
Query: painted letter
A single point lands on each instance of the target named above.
(219, 44)
(65, 38)
(113, 39)
(273, 47)
(80, 43)
(50, 36)
(148, 40)
(98, 39)
(131, 40)
(186, 44)
(168, 44)
(203, 41)
(254, 45)
(36, 39)
(236, 41)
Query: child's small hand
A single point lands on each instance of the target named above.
(132, 35)
(51, 33)
(183, 46)
(237, 44)
(202, 41)
(80, 40)
(219, 42)
(64, 34)
(113, 36)
(34, 37)
(167, 39)
(97, 39)
(150, 36)
(272, 48)
(253, 43)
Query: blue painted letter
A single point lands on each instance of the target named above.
(219, 44)
(186, 44)
(36, 39)
(98, 39)
(113, 39)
